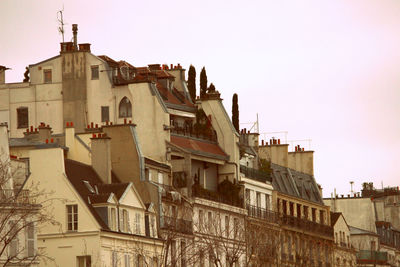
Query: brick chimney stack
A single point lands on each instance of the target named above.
(101, 156)
(75, 32)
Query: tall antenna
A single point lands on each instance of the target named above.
(61, 21)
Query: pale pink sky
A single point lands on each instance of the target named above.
(322, 70)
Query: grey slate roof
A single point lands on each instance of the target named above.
(358, 231)
(294, 183)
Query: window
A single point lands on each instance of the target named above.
(13, 235)
(314, 216)
(95, 72)
(183, 254)
(127, 260)
(152, 226)
(113, 219)
(22, 117)
(201, 219)
(173, 252)
(125, 221)
(137, 223)
(258, 199)
(84, 261)
(30, 239)
(248, 196)
(47, 76)
(305, 212)
(227, 226)
(125, 108)
(114, 259)
(209, 221)
(267, 200)
(105, 114)
(321, 217)
(72, 217)
(235, 226)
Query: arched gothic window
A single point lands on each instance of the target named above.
(125, 108)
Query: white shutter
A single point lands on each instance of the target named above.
(121, 220)
(128, 222)
(30, 239)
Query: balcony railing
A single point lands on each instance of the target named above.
(370, 256)
(310, 226)
(268, 215)
(230, 199)
(256, 175)
(178, 225)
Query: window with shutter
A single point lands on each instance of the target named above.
(125, 108)
(22, 117)
(13, 235)
(137, 223)
(30, 239)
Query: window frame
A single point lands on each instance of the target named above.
(125, 108)
(105, 113)
(92, 68)
(74, 218)
(45, 78)
(22, 123)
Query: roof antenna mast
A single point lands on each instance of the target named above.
(61, 21)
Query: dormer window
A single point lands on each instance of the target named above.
(125, 108)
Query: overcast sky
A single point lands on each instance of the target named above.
(328, 71)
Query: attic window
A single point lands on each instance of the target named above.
(125, 108)
(47, 76)
(89, 187)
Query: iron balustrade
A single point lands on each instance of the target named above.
(232, 200)
(178, 225)
(256, 175)
(303, 224)
(261, 213)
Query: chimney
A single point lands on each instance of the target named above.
(275, 153)
(3, 74)
(84, 47)
(44, 132)
(75, 32)
(301, 160)
(101, 156)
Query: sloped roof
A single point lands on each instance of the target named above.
(334, 217)
(78, 172)
(199, 147)
(359, 231)
(294, 183)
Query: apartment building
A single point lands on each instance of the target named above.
(20, 213)
(372, 215)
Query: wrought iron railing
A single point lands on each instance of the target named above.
(303, 224)
(178, 225)
(233, 200)
(268, 215)
(256, 175)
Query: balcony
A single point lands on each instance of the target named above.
(267, 215)
(370, 256)
(230, 198)
(256, 175)
(306, 225)
(177, 225)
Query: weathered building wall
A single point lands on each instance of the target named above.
(274, 153)
(74, 88)
(302, 161)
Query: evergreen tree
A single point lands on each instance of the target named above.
(192, 82)
(203, 82)
(235, 112)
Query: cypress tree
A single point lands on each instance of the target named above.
(235, 112)
(203, 82)
(192, 82)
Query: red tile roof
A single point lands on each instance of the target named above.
(199, 147)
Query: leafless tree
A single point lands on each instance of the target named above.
(21, 210)
(222, 239)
